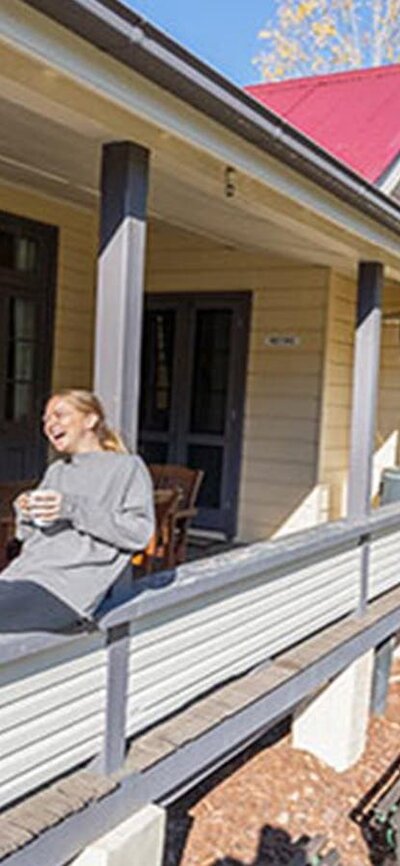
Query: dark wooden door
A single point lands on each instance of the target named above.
(27, 280)
(193, 378)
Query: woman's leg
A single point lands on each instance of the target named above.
(25, 607)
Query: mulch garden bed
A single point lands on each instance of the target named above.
(263, 807)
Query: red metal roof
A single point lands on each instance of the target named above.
(353, 115)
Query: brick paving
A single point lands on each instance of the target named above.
(256, 810)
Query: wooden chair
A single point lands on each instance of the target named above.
(159, 553)
(186, 482)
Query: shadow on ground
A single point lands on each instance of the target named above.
(179, 819)
(275, 848)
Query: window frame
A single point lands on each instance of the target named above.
(37, 286)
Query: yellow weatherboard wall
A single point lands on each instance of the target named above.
(74, 302)
(337, 390)
(279, 482)
(295, 446)
(389, 391)
(279, 489)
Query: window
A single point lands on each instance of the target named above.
(27, 276)
(21, 340)
(17, 253)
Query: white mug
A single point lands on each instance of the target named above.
(35, 498)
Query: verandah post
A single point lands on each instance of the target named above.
(119, 311)
(113, 751)
(364, 403)
(120, 283)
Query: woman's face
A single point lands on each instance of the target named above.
(68, 429)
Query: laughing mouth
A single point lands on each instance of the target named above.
(58, 437)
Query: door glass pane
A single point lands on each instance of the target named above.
(22, 319)
(18, 253)
(211, 371)
(20, 359)
(157, 368)
(21, 339)
(18, 404)
(26, 254)
(209, 458)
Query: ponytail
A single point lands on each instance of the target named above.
(109, 439)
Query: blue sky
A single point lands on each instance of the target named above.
(221, 32)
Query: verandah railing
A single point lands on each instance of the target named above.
(64, 700)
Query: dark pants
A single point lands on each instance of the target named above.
(27, 607)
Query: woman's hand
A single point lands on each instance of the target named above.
(21, 503)
(45, 505)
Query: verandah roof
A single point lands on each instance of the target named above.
(123, 34)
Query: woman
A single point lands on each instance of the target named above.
(92, 510)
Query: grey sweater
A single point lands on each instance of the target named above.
(107, 515)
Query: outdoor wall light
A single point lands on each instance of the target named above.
(230, 186)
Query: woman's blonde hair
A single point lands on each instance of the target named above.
(87, 402)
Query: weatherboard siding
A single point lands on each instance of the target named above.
(295, 447)
(52, 712)
(278, 490)
(337, 390)
(384, 563)
(389, 376)
(278, 474)
(183, 651)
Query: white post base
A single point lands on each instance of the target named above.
(139, 841)
(333, 727)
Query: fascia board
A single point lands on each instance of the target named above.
(390, 178)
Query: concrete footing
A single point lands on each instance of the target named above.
(333, 726)
(139, 841)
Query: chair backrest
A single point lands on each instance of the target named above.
(165, 507)
(174, 477)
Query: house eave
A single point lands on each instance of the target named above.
(131, 40)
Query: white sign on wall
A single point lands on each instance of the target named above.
(282, 341)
